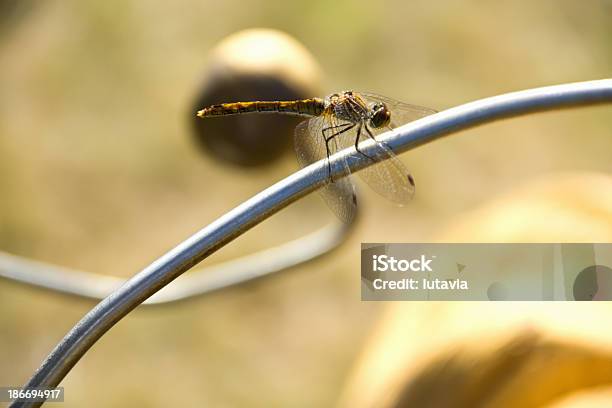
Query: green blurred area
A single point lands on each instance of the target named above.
(98, 172)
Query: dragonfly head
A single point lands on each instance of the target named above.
(379, 115)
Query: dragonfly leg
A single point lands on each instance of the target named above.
(357, 141)
(334, 128)
(347, 127)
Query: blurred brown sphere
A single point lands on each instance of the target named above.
(255, 64)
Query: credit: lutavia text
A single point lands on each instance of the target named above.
(385, 263)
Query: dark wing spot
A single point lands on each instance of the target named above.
(411, 180)
(354, 199)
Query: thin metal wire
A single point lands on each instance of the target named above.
(263, 205)
(198, 283)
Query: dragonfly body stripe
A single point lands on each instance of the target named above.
(304, 107)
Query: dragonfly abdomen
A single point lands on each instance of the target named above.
(305, 107)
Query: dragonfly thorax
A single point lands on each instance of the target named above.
(351, 107)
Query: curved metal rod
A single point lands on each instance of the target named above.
(203, 281)
(263, 205)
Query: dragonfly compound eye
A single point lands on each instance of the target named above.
(380, 115)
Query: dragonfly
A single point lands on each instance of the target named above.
(336, 122)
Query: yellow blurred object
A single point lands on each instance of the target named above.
(595, 398)
(571, 207)
(527, 354)
(268, 52)
(255, 64)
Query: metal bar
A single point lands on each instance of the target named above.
(263, 205)
(199, 282)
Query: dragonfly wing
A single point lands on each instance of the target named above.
(310, 147)
(390, 177)
(401, 113)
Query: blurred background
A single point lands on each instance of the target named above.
(102, 169)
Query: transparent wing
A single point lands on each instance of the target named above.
(310, 147)
(389, 177)
(401, 113)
